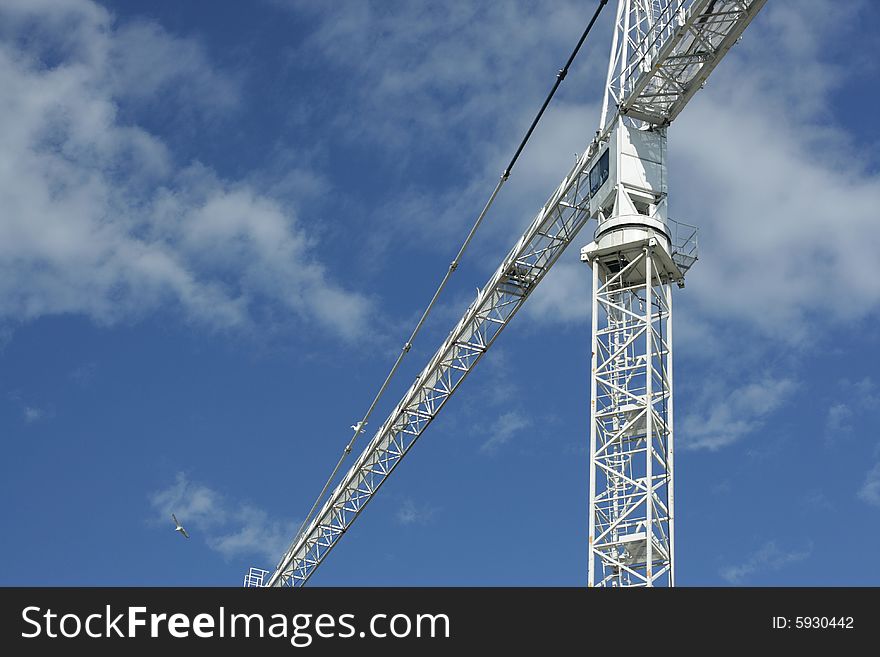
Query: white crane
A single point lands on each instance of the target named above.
(662, 52)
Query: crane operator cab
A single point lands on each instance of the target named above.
(628, 199)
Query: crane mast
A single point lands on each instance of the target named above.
(662, 51)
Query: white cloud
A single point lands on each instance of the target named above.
(786, 202)
(729, 416)
(199, 505)
(867, 393)
(870, 490)
(253, 533)
(147, 64)
(410, 513)
(446, 70)
(503, 430)
(220, 251)
(769, 557)
(99, 220)
(782, 253)
(563, 296)
(499, 383)
(33, 414)
(862, 401)
(838, 421)
(83, 374)
(439, 87)
(816, 501)
(228, 527)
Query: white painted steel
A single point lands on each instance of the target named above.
(662, 52)
(255, 578)
(525, 265)
(630, 541)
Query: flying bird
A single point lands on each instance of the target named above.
(178, 527)
(359, 427)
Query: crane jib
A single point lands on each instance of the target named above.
(675, 55)
(535, 252)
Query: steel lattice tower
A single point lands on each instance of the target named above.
(631, 447)
(635, 258)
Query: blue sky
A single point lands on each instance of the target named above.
(219, 221)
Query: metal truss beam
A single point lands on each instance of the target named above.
(535, 252)
(631, 540)
(663, 51)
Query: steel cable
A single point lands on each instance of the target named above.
(359, 427)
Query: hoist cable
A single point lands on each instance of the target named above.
(359, 427)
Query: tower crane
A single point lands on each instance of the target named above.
(661, 54)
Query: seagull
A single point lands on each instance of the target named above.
(358, 427)
(178, 527)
